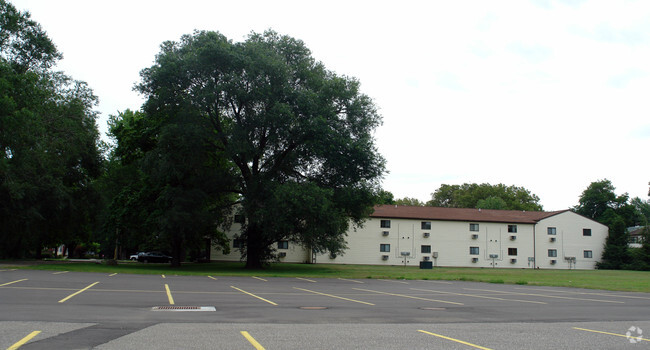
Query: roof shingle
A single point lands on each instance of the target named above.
(461, 214)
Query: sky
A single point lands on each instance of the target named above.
(545, 95)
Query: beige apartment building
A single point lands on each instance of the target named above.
(459, 237)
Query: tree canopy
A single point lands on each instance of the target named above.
(484, 196)
(49, 143)
(298, 138)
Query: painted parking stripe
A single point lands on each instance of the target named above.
(7, 270)
(548, 296)
(12, 282)
(455, 340)
(169, 295)
(254, 296)
(252, 340)
(393, 281)
(212, 278)
(408, 296)
(601, 332)
(334, 296)
(586, 293)
(60, 272)
(75, 293)
(481, 296)
(24, 340)
(261, 279)
(113, 274)
(304, 279)
(355, 281)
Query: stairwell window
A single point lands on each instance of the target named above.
(283, 245)
(384, 224)
(552, 253)
(473, 227)
(551, 230)
(473, 251)
(426, 225)
(512, 251)
(586, 232)
(425, 249)
(512, 228)
(385, 248)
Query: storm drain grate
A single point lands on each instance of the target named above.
(183, 308)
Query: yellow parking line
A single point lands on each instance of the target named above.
(618, 335)
(163, 276)
(481, 296)
(252, 340)
(334, 296)
(24, 340)
(212, 278)
(8, 283)
(253, 295)
(410, 297)
(345, 279)
(304, 279)
(60, 272)
(169, 295)
(392, 281)
(456, 340)
(75, 293)
(549, 296)
(261, 279)
(113, 274)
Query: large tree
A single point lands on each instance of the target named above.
(298, 137)
(172, 193)
(484, 196)
(48, 143)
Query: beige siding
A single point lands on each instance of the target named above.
(451, 241)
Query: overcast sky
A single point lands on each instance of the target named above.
(546, 95)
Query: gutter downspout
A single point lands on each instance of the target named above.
(534, 246)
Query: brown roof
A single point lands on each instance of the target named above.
(461, 214)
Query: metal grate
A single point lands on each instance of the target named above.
(183, 308)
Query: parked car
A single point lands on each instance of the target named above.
(159, 257)
(134, 257)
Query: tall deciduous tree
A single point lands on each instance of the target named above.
(48, 143)
(298, 137)
(491, 196)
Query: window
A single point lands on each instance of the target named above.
(586, 232)
(473, 227)
(473, 250)
(238, 243)
(588, 254)
(552, 253)
(426, 225)
(551, 230)
(384, 247)
(512, 251)
(384, 224)
(239, 219)
(283, 245)
(512, 228)
(425, 249)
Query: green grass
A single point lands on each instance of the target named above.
(634, 281)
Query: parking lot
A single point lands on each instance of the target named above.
(71, 310)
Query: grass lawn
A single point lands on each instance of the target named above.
(634, 281)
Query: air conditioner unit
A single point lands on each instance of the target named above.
(475, 236)
(384, 233)
(426, 258)
(553, 262)
(384, 257)
(474, 260)
(426, 235)
(434, 255)
(513, 261)
(494, 256)
(552, 239)
(283, 255)
(512, 238)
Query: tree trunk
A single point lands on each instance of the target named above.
(254, 248)
(176, 251)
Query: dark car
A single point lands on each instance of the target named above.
(154, 257)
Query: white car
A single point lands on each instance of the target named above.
(134, 257)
